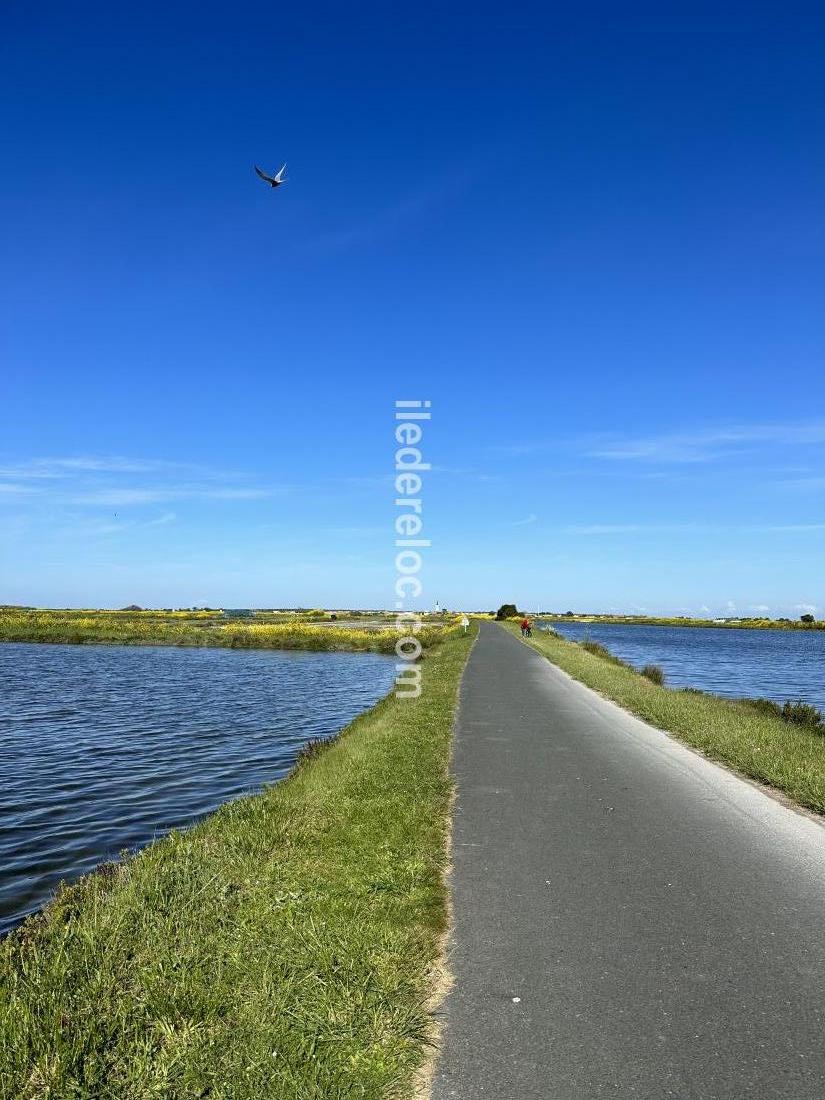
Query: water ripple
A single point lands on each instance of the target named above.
(774, 664)
(103, 748)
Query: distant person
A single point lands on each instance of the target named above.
(465, 622)
(526, 628)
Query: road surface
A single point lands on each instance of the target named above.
(630, 920)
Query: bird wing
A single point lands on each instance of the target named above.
(279, 176)
(263, 175)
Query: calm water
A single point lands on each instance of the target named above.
(105, 747)
(776, 664)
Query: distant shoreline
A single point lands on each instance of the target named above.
(652, 620)
(208, 630)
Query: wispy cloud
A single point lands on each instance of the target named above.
(157, 495)
(403, 214)
(532, 518)
(50, 469)
(706, 444)
(109, 481)
(792, 528)
(805, 484)
(628, 528)
(117, 527)
(13, 489)
(683, 528)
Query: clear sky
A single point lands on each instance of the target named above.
(591, 235)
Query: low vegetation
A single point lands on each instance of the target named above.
(780, 745)
(598, 650)
(804, 622)
(282, 948)
(799, 713)
(208, 628)
(654, 673)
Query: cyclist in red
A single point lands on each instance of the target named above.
(526, 630)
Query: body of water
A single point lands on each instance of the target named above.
(107, 747)
(774, 664)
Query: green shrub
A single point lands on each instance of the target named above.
(598, 650)
(801, 713)
(654, 673)
(765, 706)
(507, 611)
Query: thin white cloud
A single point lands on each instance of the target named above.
(628, 528)
(359, 532)
(156, 495)
(116, 527)
(103, 480)
(806, 484)
(13, 489)
(532, 518)
(792, 527)
(687, 528)
(49, 469)
(707, 444)
(400, 216)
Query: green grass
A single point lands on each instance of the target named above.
(747, 622)
(261, 631)
(745, 735)
(280, 949)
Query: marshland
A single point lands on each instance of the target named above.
(309, 630)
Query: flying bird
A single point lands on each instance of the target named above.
(273, 181)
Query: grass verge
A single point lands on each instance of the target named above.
(279, 949)
(741, 734)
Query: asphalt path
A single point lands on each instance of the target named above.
(630, 919)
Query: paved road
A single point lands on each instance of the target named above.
(630, 920)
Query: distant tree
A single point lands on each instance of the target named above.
(132, 607)
(506, 611)
(807, 618)
(568, 614)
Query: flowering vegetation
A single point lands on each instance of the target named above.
(203, 628)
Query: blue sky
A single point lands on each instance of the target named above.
(593, 238)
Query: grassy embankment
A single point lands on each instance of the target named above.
(743, 734)
(201, 628)
(282, 948)
(752, 623)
